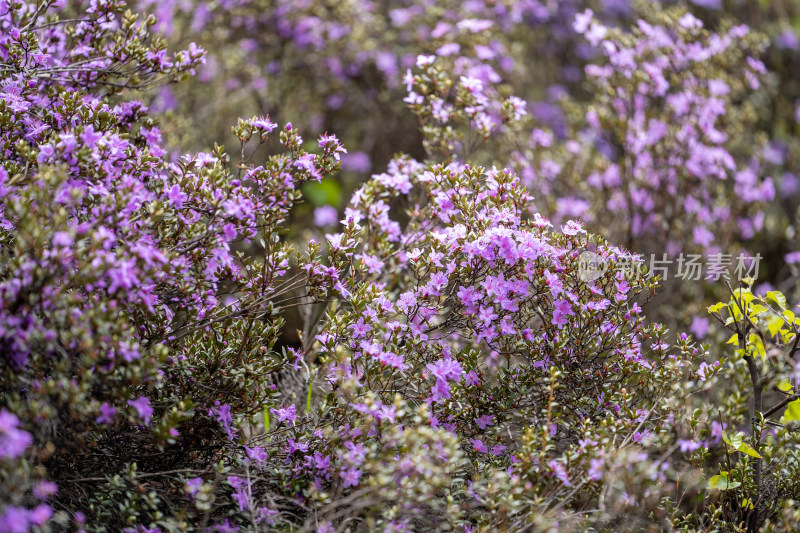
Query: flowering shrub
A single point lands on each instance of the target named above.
(116, 313)
(669, 138)
(462, 362)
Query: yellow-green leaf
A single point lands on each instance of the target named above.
(734, 339)
(743, 296)
(721, 482)
(792, 413)
(778, 298)
(757, 310)
(746, 448)
(737, 443)
(774, 324)
(716, 307)
(785, 386)
(734, 441)
(755, 341)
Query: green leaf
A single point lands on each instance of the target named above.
(308, 397)
(792, 413)
(757, 310)
(778, 298)
(721, 482)
(785, 386)
(734, 339)
(326, 192)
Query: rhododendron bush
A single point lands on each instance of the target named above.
(472, 342)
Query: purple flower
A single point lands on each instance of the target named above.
(560, 472)
(62, 238)
(787, 40)
(554, 282)
(143, 409)
(350, 476)
(446, 369)
(595, 471)
(107, 413)
(561, 309)
(256, 454)
(41, 514)
(484, 421)
(331, 145)
(45, 489)
(264, 124)
(360, 328)
(688, 446)
(440, 391)
(176, 196)
(792, 257)
(708, 4)
(15, 520)
(705, 369)
(13, 441)
(192, 486)
(226, 527)
(356, 162)
(471, 84)
(266, 515)
(326, 215)
(286, 414)
(699, 326)
(497, 449)
(478, 446)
